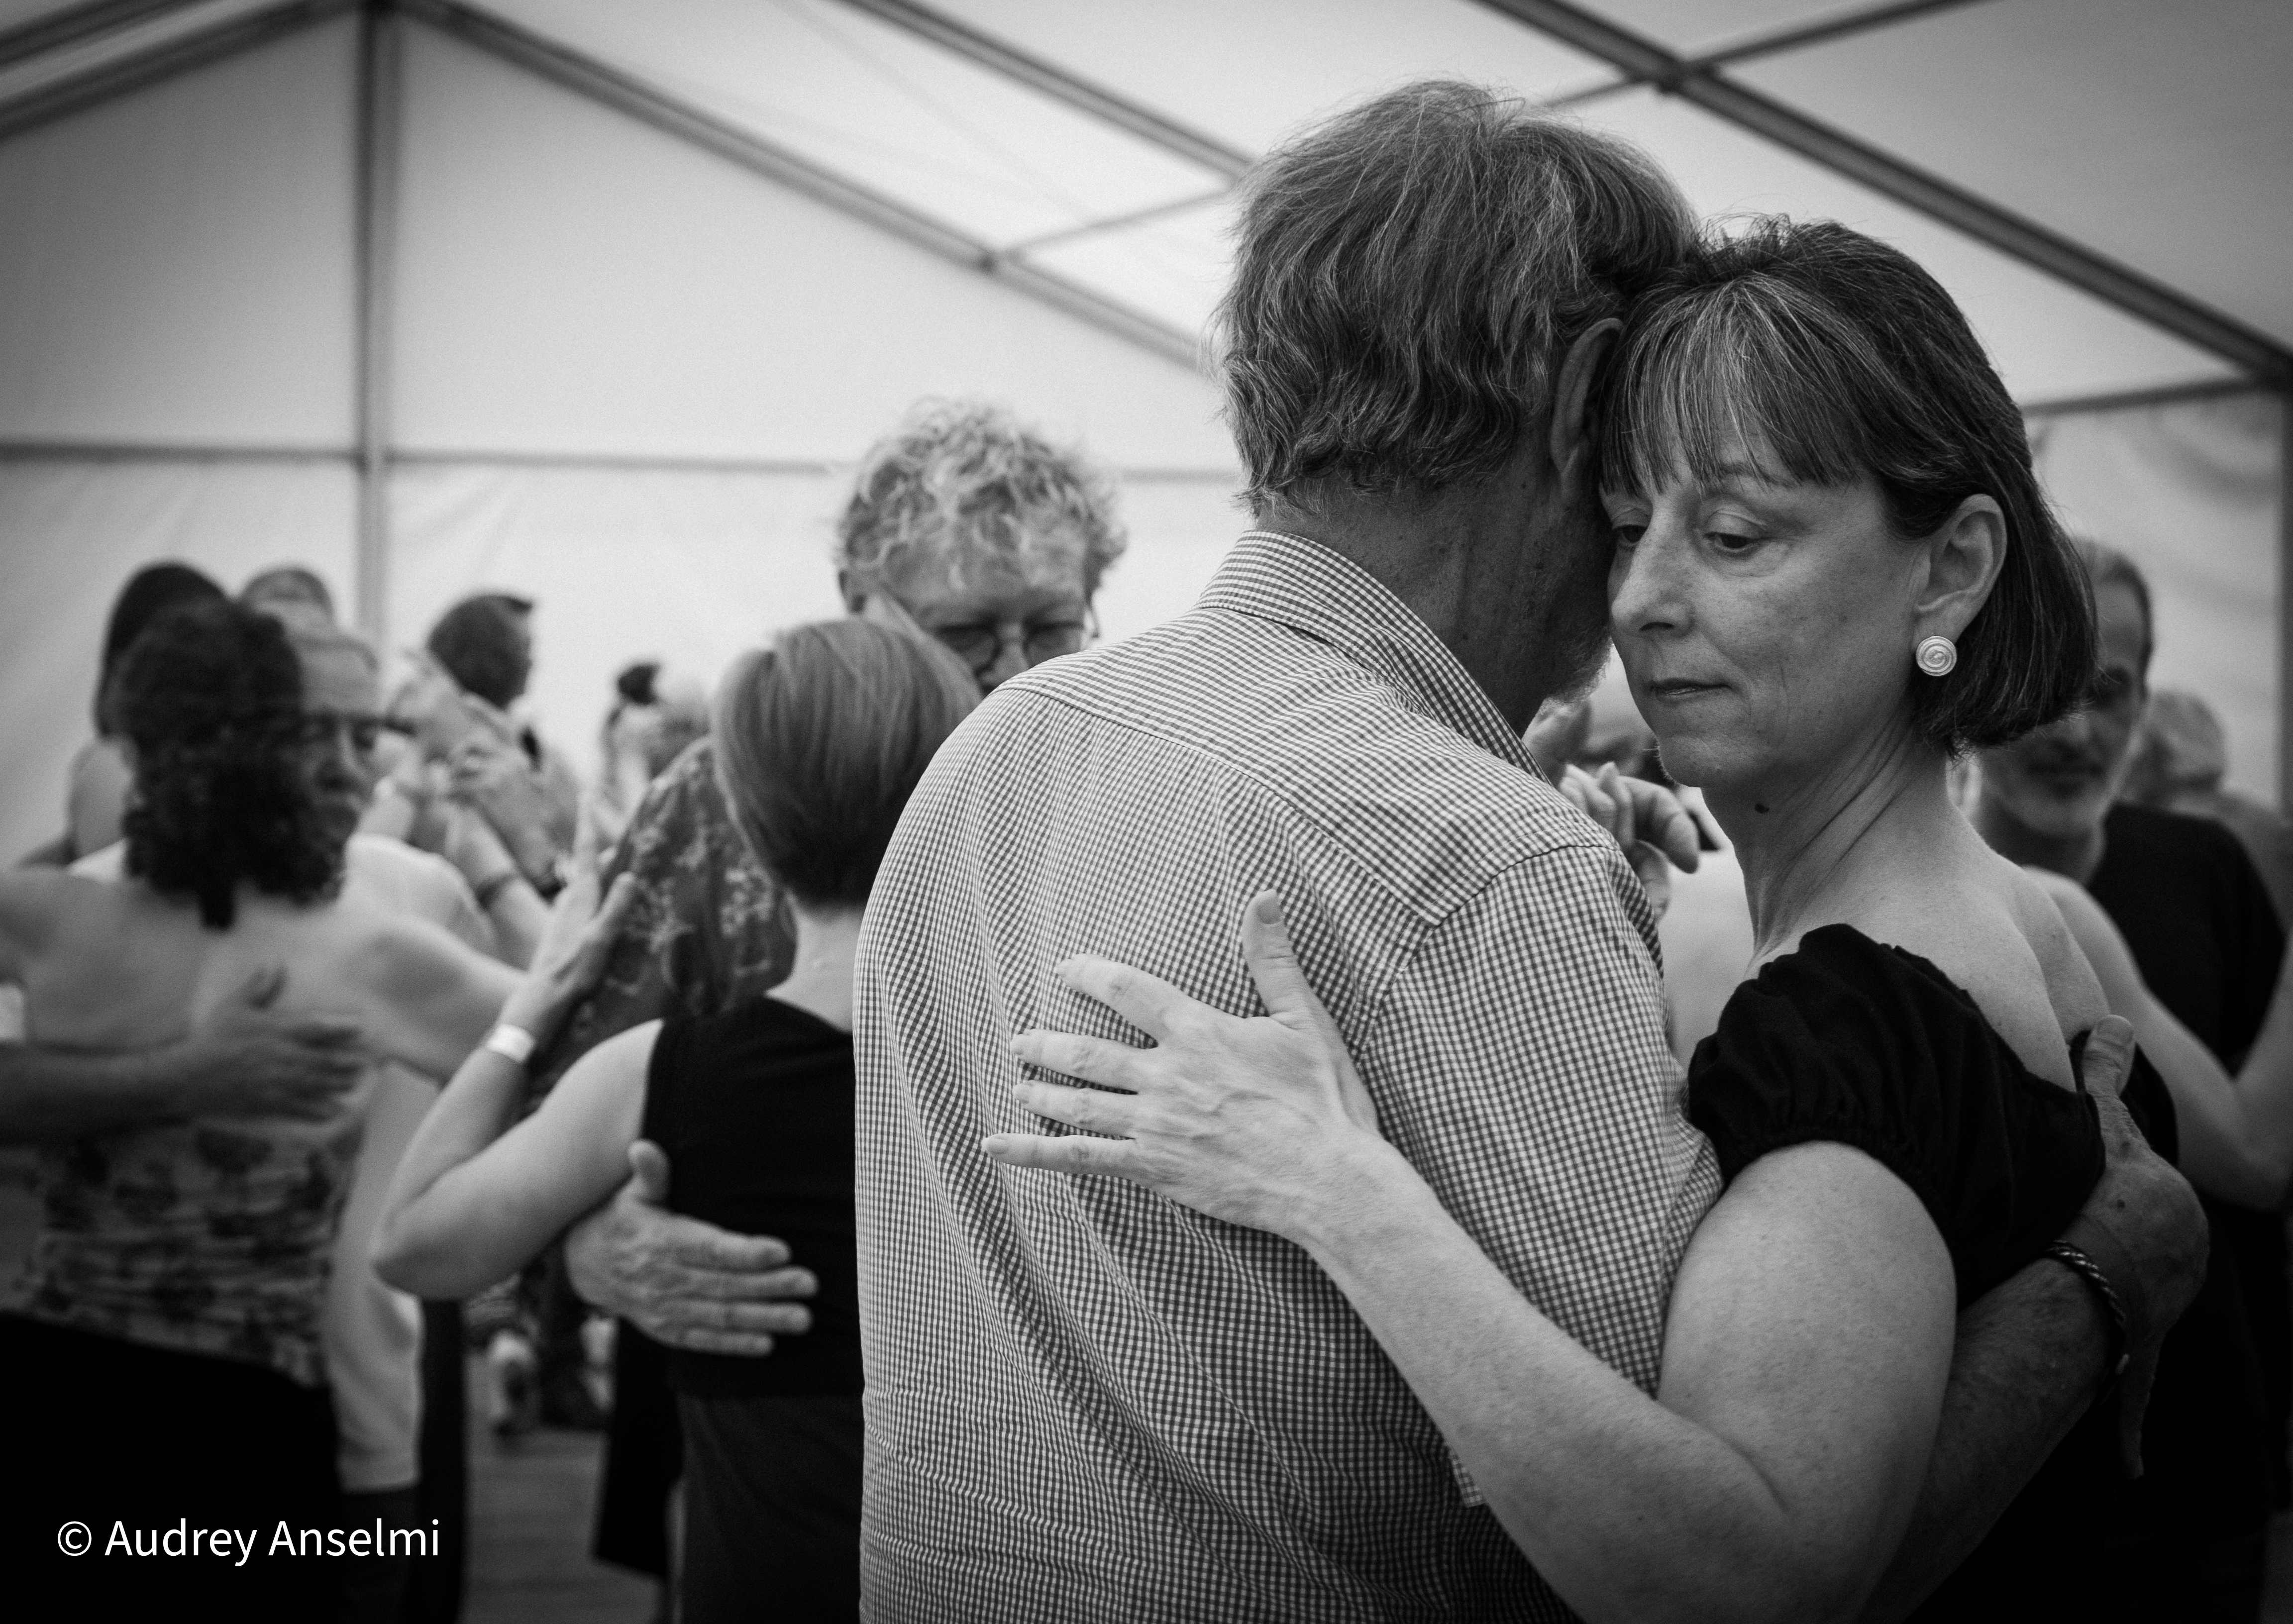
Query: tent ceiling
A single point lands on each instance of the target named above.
(2159, 135)
(886, 109)
(2090, 118)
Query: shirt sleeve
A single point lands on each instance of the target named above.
(1519, 1062)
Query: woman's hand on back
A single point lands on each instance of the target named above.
(1255, 1122)
(576, 942)
(1655, 830)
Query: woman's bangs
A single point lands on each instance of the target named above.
(1712, 387)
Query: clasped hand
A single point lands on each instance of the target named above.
(1253, 1121)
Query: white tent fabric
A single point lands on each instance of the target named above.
(627, 369)
(2191, 492)
(572, 283)
(175, 269)
(73, 530)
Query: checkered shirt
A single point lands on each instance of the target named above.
(1085, 1401)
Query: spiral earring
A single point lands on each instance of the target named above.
(1937, 656)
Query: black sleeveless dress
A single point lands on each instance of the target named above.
(754, 1107)
(1848, 1041)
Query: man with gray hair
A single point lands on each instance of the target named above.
(1084, 1402)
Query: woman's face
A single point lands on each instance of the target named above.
(1766, 629)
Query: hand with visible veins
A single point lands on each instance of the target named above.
(2142, 1224)
(1257, 1121)
(245, 1059)
(683, 1282)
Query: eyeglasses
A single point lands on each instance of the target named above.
(979, 644)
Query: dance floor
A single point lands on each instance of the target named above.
(531, 1503)
(530, 1506)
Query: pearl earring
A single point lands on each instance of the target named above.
(1937, 656)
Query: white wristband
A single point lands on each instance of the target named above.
(513, 1044)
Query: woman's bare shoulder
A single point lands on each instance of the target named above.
(1994, 933)
(39, 905)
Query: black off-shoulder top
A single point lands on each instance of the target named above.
(1850, 1042)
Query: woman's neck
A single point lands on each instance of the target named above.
(1804, 845)
(820, 983)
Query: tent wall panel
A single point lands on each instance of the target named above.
(570, 281)
(2192, 494)
(175, 266)
(693, 568)
(75, 532)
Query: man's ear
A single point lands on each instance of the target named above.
(1572, 394)
(854, 596)
(1964, 557)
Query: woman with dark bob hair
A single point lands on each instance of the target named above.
(819, 741)
(1833, 570)
(166, 1338)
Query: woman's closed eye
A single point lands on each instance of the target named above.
(1732, 543)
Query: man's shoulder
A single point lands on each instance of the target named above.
(1286, 721)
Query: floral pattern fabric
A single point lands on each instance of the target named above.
(707, 928)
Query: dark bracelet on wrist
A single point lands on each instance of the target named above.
(2113, 1306)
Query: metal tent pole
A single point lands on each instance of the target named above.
(2285, 602)
(380, 64)
(114, 78)
(2255, 352)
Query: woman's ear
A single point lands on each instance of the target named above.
(1964, 557)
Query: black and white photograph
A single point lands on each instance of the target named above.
(1146, 812)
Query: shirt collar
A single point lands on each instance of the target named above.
(1299, 583)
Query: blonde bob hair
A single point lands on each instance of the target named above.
(821, 738)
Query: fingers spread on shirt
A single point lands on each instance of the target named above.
(1068, 1153)
(1148, 1002)
(1091, 1109)
(1092, 1059)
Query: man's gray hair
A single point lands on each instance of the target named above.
(1407, 275)
(961, 478)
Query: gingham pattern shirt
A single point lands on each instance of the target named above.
(1087, 1402)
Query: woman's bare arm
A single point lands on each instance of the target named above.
(1805, 1354)
(474, 1198)
(427, 998)
(1810, 1335)
(2236, 1132)
(471, 1202)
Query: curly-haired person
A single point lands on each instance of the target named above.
(165, 1346)
(964, 524)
